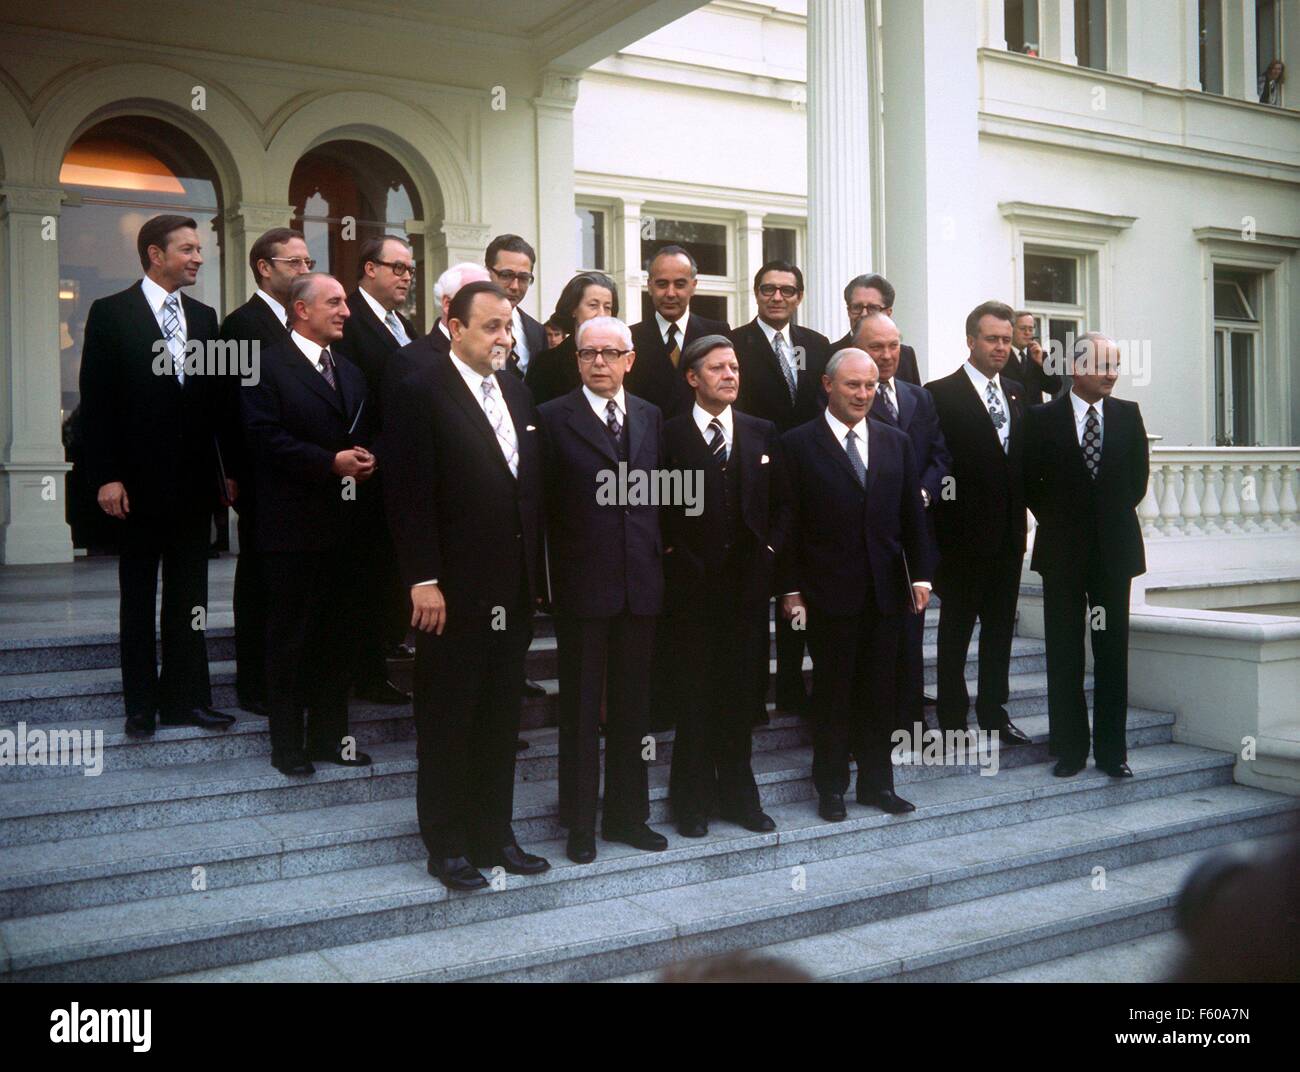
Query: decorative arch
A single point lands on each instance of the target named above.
(17, 144)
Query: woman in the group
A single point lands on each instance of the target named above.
(554, 372)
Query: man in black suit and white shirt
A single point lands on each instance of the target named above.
(1086, 470)
(980, 528)
(720, 551)
(277, 258)
(780, 381)
(1028, 362)
(463, 487)
(511, 261)
(307, 432)
(872, 293)
(606, 584)
(157, 423)
(660, 340)
(856, 562)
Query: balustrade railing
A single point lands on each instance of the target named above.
(1217, 491)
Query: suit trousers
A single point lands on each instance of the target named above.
(910, 682)
(310, 647)
(789, 658)
(715, 651)
(610, 657)
(1099, 604)
(250, 612)
(180, 544)
(467, 706)
(988, 589)
(853, 697)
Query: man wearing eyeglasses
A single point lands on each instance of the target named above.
(607, 586)
(510, 260)
(867, 295)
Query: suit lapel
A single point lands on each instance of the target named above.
(826, 440)
(1110, 433)
(454, 384)
(518, 414)
(303, 369)
(636, 422)
(979, 412)
(583, 420)
(150, 331)
(906, 404)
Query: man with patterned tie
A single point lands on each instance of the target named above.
(980, 526)
(463, 488)
(607, 586)
(1086, 468)
(157, 426)
(510, 260)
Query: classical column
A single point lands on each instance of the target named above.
(1190, 39)
(454, 242)
(625, 250)
(557, 250)
(1239, 75)
(1057, 20)
(839, 160)
(244, 223)
(32, 467)
(750, 239)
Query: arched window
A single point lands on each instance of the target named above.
(344, 192)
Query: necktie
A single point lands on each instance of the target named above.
(504, 430)
(327, 367)
(395, 326)
(1092, 442)
(787, 370)
(175, 340)
(674, 351)
(611, 418)
(855, 459)
(996, 412)
(717, 442)
(887, 390)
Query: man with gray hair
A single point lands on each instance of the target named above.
(872, 293)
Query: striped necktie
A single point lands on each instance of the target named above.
(175, 337)
(718, 442)
(503, 429)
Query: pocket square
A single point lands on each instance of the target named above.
(762, 460)
(530, 428)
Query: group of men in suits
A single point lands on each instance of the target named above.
(455, 483)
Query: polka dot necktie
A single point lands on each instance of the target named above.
(1092, 442)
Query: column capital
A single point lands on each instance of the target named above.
(558, 89)
(258, 218)
(31, 200)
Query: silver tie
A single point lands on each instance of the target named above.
(504, 430)
(787, 370)
(395, 326)
(175, 338)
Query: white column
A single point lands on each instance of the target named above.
(839, 171)
(749, 234)
(557, 252)
(1239, 50)
(627, 274)
(994, 25)
(1057, 20)
(32, 466)
(1191, 42)
(456, 241)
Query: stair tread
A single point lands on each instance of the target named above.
(1143, 960)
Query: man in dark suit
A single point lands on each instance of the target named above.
(277, 258)
(980, 526)
(720, 548)
(156, 420)
(606, 584)
(660, 341)
(375, 330)
(1028, 363)
(463, 488)
(780, 381)
(511, 260)
(1086, 469)
(911, 410)
(856, 563)
(872, 293)
(307, 431)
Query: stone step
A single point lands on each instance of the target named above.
(122, 865)
(946, 907)
(44, 809)
(1152, 959)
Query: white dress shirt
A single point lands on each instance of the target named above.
(312, 350)
(1081, 415)
(840, 431)
(383, 315)
(521, 339)
(981, 383)
(663, 324)
(703, 417)
(281, 313)
(598, 405)
(156, 296)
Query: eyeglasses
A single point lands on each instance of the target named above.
(589, 354)
(787, 291)
(507, 276)
(864, 309)
(398, 268)
(297, 262)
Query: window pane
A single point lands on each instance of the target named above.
(1020, 18)
(1267, 15)
(1051, 279)
(1233, 293)
(591, 238)
(1243, 389)
(1090, 33)
(1222, 419)
(706, 242)
(1211, 43)
(779, 244)
(713, 306)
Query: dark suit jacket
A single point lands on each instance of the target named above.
(1022, 367)
(763, 392)
(605, 556)
(251, 322)
(653, 376)
(296, 423)
(166, 443)
(454, 508)
(907, 370)
(986, 511)
(846, 540)
(918, 418)
(534, 337)
(554, 372)
(1077, 515)
(693, 545)
(402, 363)
(369, 344)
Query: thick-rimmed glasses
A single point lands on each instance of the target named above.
(399, 268)
(787, 291)
(589, 354)
(297, 263)
(507, 276)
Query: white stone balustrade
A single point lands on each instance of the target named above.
(1218, 491)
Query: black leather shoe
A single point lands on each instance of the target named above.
(513, 859)
(760, 717)
(1068, 768)
(831, 808)
(581, 848)
(292, 761)
(639, 836)
(139, 726)
(254, 706)
(1010, 735)
(383, 692)
(692, 826)
(456, 873)
(1117, 770)
(757, 822)
(359, 758)
(521, 745)
(887, 800)
(531, 688)
(206, 717)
